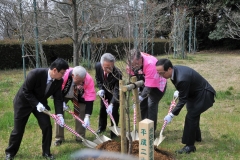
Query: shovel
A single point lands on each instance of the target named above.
(134, 133)
(116, 130)
(99, 139)
(161, 137)
(87, 143)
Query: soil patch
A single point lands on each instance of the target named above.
(114, 146)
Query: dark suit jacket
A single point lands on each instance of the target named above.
(193, 89)
(112, 82)
(33, 91)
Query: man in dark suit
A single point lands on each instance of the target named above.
(195, 92)
(32, 97)
(107, 78)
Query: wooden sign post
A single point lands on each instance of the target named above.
(146, 140)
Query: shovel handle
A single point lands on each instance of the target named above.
(110, 114)
(164, 125)
(80, 120)
(106, 105)
(89, 128)
(104, 101)
(173, 104)
(134, 115)
(111, 117)
(86, 142)
(65, 126)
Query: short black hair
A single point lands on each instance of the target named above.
(59, 64)
(166, 63)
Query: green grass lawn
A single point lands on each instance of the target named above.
(219, 125)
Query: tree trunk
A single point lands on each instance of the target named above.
(75, 34)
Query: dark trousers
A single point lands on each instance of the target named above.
(192, 131)
(19, 128)
(149, 106)
(103, 114)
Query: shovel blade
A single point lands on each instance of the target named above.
(159, 140)
(116, 130)
(101, 139)
(134, 135)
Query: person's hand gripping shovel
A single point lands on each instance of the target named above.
(86, 142)
(173, 104)
(116, 130)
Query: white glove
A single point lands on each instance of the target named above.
(140, 98)
(65, 107)
(60, 120)
(175, 95)
(168, 117)
(109, 109)
(86, 121)
(40, 107)
(101, 93)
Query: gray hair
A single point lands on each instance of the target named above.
(134, 54)
(79, 71)
(107, 57)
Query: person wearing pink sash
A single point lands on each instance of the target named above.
(143, 66)
(79, 79)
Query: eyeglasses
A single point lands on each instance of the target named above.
(161, 73)
(107, 66)
(62, 72)
(108, 69)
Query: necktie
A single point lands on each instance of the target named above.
(75, 100)
(105, 76)
(48, 86)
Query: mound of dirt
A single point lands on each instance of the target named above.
(114, 146)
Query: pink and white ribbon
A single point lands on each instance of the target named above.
(172, 105)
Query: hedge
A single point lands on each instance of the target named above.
(11, 53)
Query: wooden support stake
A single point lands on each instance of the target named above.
(132, 86)
(122, 117)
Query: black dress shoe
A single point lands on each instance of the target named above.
(186, 149)
(9, 157)
(58, 142)
(48, 156)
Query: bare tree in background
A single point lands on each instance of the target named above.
(233, 25)
(8, 27)
(81, 19)
(178, 33)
